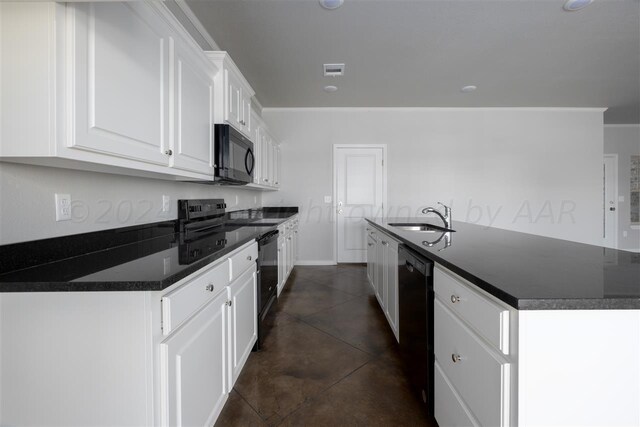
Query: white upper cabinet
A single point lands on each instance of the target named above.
(122, 88)
(234, 106)
(120, 69)
(192, 147)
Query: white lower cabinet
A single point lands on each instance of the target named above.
(391, 286)
(450, 411)
(382, 272)
(195, 383)
(475, 382)
(287, 250)
(243, 323)
(143, 358)
(202, 358)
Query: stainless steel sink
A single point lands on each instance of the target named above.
(421, 228)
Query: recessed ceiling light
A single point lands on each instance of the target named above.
(331, 4)
(330, 88)
(467, 89)
(573, 5)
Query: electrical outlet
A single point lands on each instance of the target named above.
(166, 201)
(63, 207)
(166, 263)
(625, 233)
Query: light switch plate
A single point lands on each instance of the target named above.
(621, 198)
(63, 207)
(166, 201)
(327, 199)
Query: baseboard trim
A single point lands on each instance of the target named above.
(306, 262)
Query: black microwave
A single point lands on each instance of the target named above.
(234, 158)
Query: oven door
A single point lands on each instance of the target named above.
(234, 156)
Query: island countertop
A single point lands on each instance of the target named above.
(527, 271)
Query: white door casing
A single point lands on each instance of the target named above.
(610, 201)
(360, 191)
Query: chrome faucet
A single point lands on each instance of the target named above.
(446, 218)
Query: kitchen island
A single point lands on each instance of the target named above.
(528, 330)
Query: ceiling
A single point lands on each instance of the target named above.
(419, 53)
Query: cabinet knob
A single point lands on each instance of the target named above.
(456, 358)
(455, 299)
(249, 258)
(168, 152)
(210, 287)
(370, 244)
(229, 303)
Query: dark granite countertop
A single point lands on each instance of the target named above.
(148, 257)
(530, 272)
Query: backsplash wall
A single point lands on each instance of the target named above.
(99, 201)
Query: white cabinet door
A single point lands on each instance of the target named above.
(294, 254)
(276, 166)
(194, 382)
(264, 170)
(120, 80)
(379, 272)
(233, 100)
(246, 115)
(256, 134)
(391, 303)
(371, 259)
(282, 253)
(244, 324)
(289, 252)
(193, 135)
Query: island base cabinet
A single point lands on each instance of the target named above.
(579, 367)
(449, 409)
(194, 378)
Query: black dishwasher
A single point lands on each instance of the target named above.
(415, 306)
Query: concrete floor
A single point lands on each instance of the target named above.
(329, 360)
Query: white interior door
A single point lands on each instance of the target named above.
(610, 201)
(359, 177)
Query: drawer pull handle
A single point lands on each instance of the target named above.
(210, 287)
(249, 258)
(455, 299)
(456, 358)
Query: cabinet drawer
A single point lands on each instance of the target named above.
(449, 409)
(480, 375)
(242, 260)
(488, 318)
(179, 304)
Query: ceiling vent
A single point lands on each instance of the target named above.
(333, 70)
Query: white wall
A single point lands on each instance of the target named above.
(100, 201)
(624, 140)
(510, 168)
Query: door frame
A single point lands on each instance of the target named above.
(613, 157)
(334, 203)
